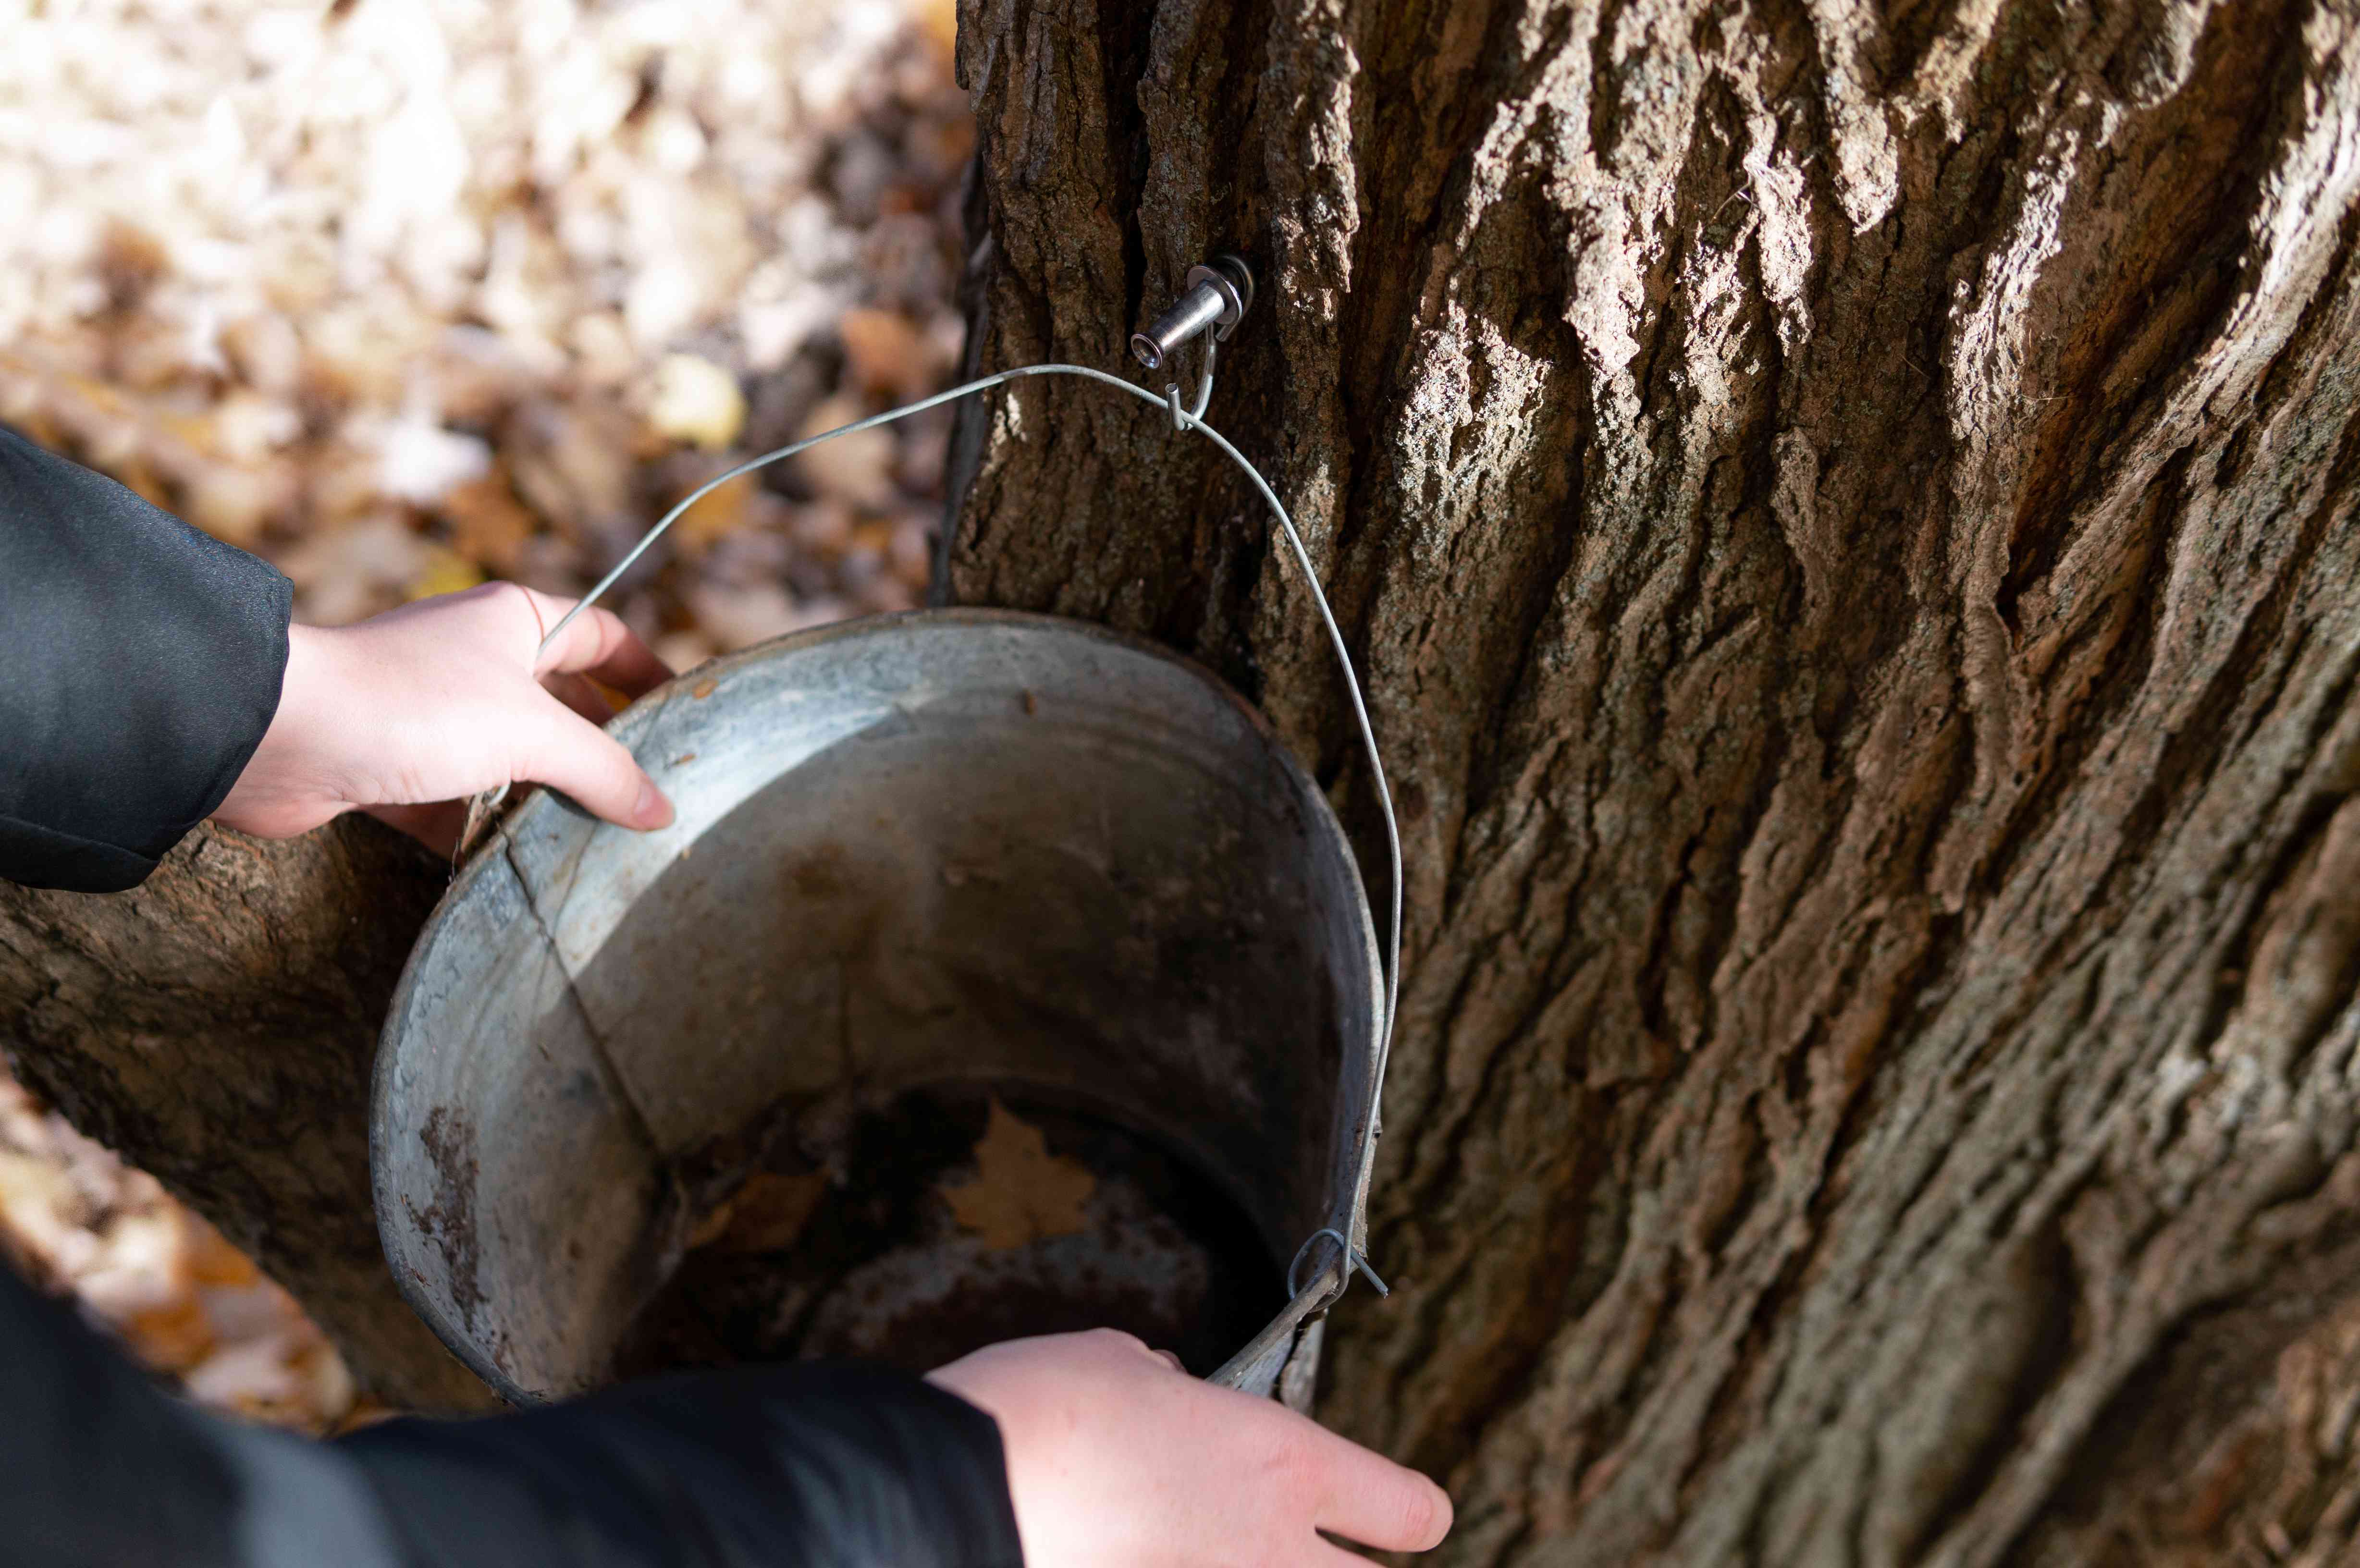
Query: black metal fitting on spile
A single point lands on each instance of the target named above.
(1219, 295)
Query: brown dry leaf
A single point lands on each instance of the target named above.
(573, 462)
(770, 1211)
(822, 528)
(1021, 1193)
(858, 467)
(130, 261)
(171, 1338)
(707, 1231)
(940, 20)
(234, 504)
(488, 525)
(888, 352)
(265, 349)
(366, 1412)
(213, 1261)
(739, 616)
(469, 324)
(764, 1214)
(716, 516)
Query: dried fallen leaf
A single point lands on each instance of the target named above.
(940, 20)
(889, 354)
(858, 467)
(234, 504)
(366, 1412)
(696, 400)
(573, 462)
(488, 525)
(717, 515)
(180, 1299)
(1021, 1191)
(739, 616)
(170, 1338)
(707, 1230)
(770, 1211)
(445, 572)
(459, 307)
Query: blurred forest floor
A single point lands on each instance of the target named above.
(407, 294)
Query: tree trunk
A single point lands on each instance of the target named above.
(216, 1027)
(1848, 516)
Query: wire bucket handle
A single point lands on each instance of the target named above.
(1217, 296)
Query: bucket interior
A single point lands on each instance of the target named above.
(1000, 975)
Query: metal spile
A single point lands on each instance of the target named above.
(1219, 294)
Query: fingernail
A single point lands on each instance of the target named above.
(653, 811)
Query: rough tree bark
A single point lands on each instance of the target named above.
(217, 1026)
(1851, 516)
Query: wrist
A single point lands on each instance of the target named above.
(295, 781)
(310, 653)
(309, 699)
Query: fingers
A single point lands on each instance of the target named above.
(598, 643)
(1138, 1346)
(1371, 1499)
(569, 753)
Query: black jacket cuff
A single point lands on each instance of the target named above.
(42, 857)
(814, 1465)
(144, 665)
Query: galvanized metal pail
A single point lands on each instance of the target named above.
(952, 874)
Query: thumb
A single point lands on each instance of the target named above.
(568, 752)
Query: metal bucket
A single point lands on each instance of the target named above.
(954, 899)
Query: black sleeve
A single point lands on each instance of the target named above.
(841, 1466)
(139, 664)
(811, 1466)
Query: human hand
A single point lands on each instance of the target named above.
(407, 714)
(1118, 1459)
